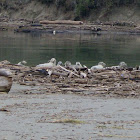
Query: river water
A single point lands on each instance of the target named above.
(89, 49)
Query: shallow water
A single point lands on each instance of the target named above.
(89, 49)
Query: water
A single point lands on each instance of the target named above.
(89, 49)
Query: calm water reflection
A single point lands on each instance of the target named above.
(89, 49)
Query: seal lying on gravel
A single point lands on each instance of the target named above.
(52, 63)
(22, 63)
(122, 65)
(59, 63)
(5, 80)
(67, 64)
(75, 67)
(100, 66)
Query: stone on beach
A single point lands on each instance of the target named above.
(5, 80)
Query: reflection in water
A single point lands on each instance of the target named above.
(89, 49)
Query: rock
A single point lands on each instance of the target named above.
(5, 80)
(4, 62)
(5, 84)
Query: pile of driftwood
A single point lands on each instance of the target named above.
(67, 79)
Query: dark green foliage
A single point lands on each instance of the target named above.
(60, 3)
(47, 1)
(70, 5)
(82, 8)
(66, 4)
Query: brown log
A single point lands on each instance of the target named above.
(60, 74)
(81, 81)
(69, 22)
(74, 90)
(106, 73)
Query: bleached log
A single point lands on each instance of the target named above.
(69, 71)
(83, 75)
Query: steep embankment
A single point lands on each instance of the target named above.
(34, 10)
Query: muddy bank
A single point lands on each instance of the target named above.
(28, 26)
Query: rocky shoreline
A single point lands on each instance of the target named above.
(105, 82)
(27, 26)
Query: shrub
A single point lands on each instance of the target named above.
(83, 7)
(47, 1)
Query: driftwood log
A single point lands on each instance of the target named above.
(69, 22)
(71, 73)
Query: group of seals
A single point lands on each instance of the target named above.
(77, 66)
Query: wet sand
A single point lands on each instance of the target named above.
(32, 116)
